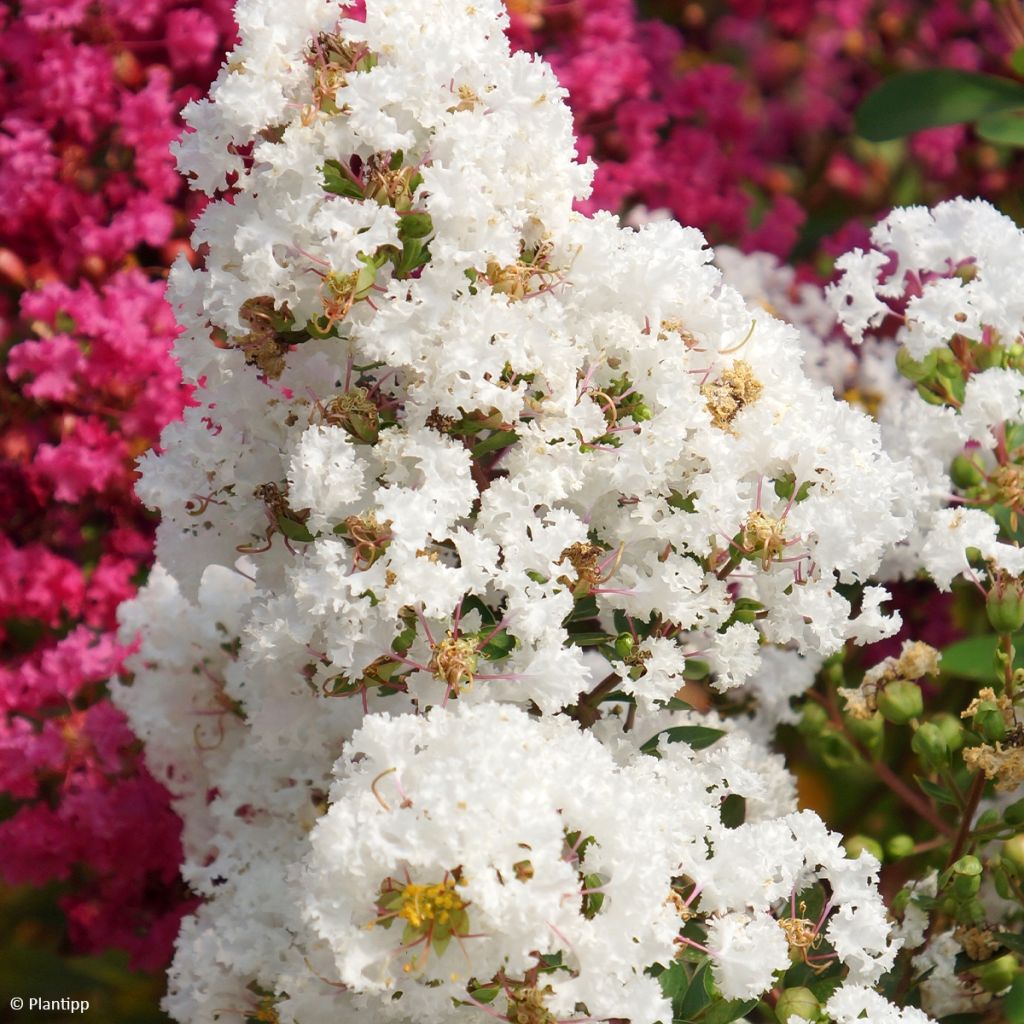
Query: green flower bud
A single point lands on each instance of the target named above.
(868, 730)
(998, 974)
(930, 745)
(988, 356)
(746, 609)
(797, 1002)
(951, 728)
(1005, 604)
(901, 701)
(988, 722)
(856, 845)
(641, 412)
(966, 877)
(624, 645)
(913, 369)
(899, 846)
(813, 719)
(1013, 851)
(966, 472)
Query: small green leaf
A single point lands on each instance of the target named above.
(486, 994)
(499, 646)
(734, 811)
(1011, 941)
(294, 530)
(727, 1012)
(697, 736)
(910, 102)
(937, 793)
(340, 182)
(499, 439)
(697, 996)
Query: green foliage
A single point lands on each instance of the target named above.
(915, 100)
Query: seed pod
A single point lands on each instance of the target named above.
(901, 701)
(797, 1002)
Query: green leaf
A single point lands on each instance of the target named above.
(1005, 128)
(674, 982)
(697, 996)
(499, 439)
(1013, 1001)
(294, 530)
(340, 182)
(1017, 60)
(936, 792)
(697, 736)
(734, 811)
(909, 102)
(675, 704)
(972, 659)
(727, 1012)
(589, 639)
(499, 646)
(486, 994)
(1011, 941)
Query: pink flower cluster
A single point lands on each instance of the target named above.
(740, 122)
(93, 211)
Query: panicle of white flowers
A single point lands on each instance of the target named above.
(448, 435)
(943, 279)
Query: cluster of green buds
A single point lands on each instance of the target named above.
(941, 376)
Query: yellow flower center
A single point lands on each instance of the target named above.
(421, 905)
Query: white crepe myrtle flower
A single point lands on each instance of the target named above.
(474, 464)
(852, 1003)
(748, 950)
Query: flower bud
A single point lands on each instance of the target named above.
(966, 877)
(1005, 604)
(624, 645)
(746, 609)
(965, 472)
(856, 845)
(951, 728)
(869, 731)
(913, 369)
(797, 1002)
(899, 846)
(988, 356)
(930, 745)
(988, 722)
(901, 701)
(813, 719)
(1013, 851)
(998, 974)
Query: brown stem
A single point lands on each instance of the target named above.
(1006, 641)
(973, 799)
(586, 706)
(920, 804)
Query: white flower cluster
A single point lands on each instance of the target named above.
(463, 463)
(945, 276)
